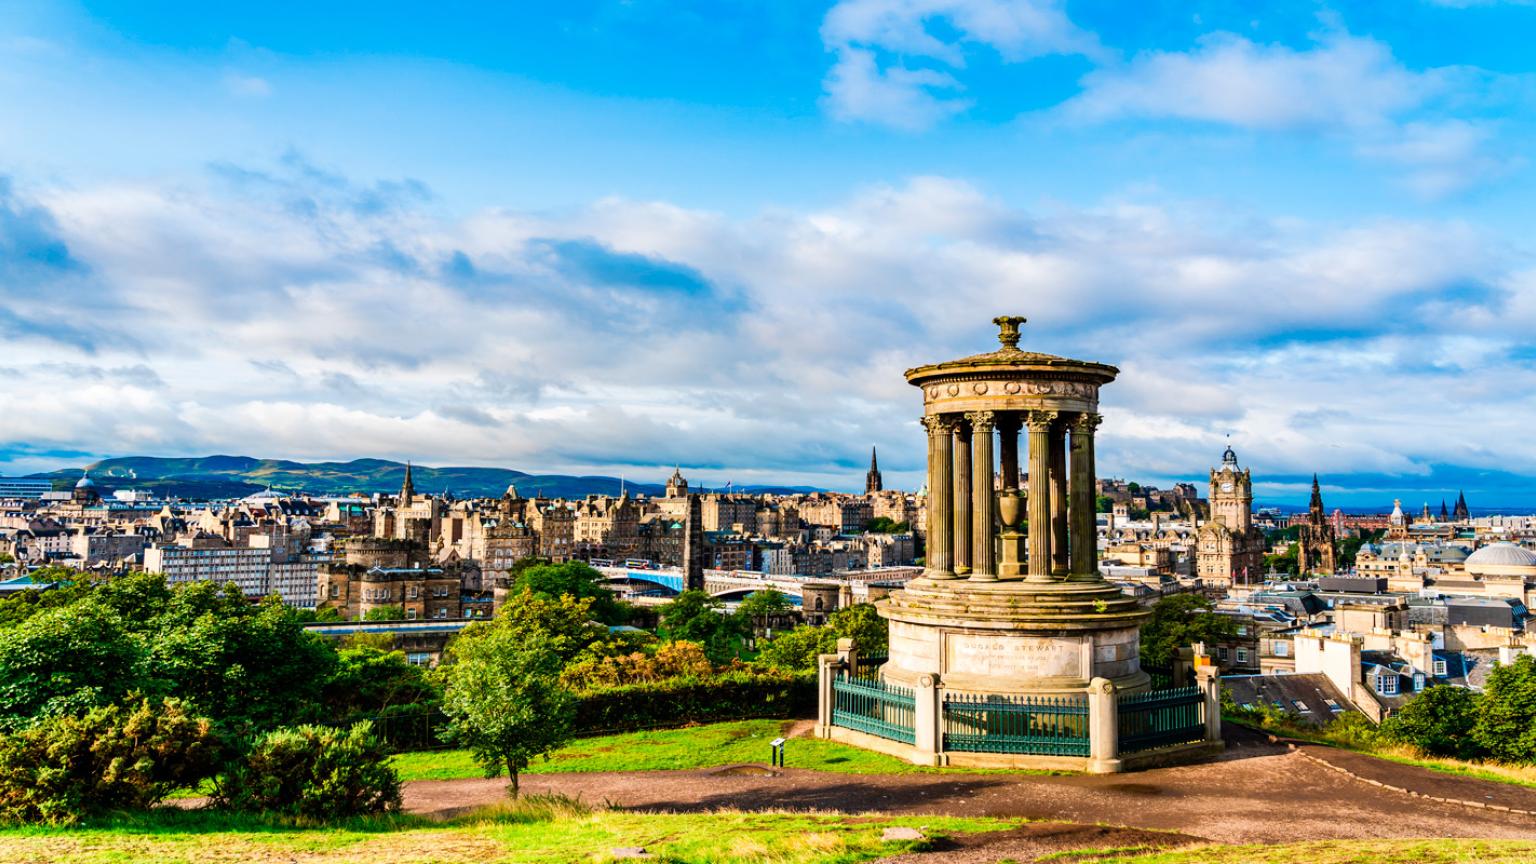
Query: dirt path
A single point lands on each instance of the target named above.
(1260, 793)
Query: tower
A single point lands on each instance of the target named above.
(872, 480)
(1315, 548)
(407, 489)
(1232, 494)
(693, 545)
(1461, 514)
(677, 487)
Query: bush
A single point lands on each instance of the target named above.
(315, 773)
(1438, 721)
(734, 695)
(113, 758)
(668, 660)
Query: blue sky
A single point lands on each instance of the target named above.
(615, 236)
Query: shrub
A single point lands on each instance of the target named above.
(680, 659)
(734, 695)
(112, 758)
(1438, 721)
(315, 773)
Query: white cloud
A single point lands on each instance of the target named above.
(250, 86)
(297, 314)
(1344, 82)
(873, 41)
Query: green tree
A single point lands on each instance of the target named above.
(1506, 719)
(576, 579)
(1289, 562)
(502, 694)
(385, 613)
(798, 649)
(1438, 721)
(761, 607)
(67, 660)
(1103, 504)
(566, 620)
(314, 772)
(368, 681)
(698, 617)
(861, 623)
(886, 525)
(1178, 621)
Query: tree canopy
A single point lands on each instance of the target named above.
(1178, 621)
(575, 578)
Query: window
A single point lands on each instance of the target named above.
(1418, 681)
(1221, 654)
(1282, 649)
(1440, 670)
(418, 658)
(1386, 685)
(1332, 706)
(410, 614)
(1242, 655)
(1301, 707)
(412, 592)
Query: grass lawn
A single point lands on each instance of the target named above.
(675, 749)
(1336, 852)
(536, 830)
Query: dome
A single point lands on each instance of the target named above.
(1502, 559)
(85, 482)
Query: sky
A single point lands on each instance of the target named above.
(614, 237)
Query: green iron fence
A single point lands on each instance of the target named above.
(1041, 726)
(1161, 718)
(868, 667)
(1162, 677)
(873, 706)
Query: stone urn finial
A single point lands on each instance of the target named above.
(1009, 333)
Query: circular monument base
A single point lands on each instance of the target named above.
(1014, 637)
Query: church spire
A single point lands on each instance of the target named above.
(407, 489)
(873, 482)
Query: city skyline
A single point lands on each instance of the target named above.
(540, 239)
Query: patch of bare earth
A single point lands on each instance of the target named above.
(1030, 842)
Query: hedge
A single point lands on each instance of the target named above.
(731, 696)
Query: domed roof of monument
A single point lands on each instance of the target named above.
(85, 482)
(1010, 357)
(1502, 555)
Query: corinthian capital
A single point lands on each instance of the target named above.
(939, 424)
(1040, 421)
(1086, 423)
(982, 421)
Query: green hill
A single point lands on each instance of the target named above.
(236, 476)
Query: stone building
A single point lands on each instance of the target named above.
(1230, 549)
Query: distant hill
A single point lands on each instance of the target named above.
(237, 476)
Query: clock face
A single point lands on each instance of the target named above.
(1226, 487)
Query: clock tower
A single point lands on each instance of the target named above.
(1230, 550)
(1232, 494)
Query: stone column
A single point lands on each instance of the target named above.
(1208, 678)
(984, 521)
(1060, 566)
(1084, 494)
(962, 499)
(941, 517)
(1103, 728)
(827, 666)
(1008, 423)
(1039, 423)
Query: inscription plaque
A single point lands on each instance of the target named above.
(1017, 657)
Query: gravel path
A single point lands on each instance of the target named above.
(1258, 793)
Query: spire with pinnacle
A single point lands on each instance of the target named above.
(1461, 514)
(407, 489)
(873, 482)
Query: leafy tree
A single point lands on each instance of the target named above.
(502, 694)
(314, 772)
(565, 620)
(1506, 719)
(1289, 562)
(385, 613)
(111, 758)
(66, 660)
(799, 648)
(698, 617)
(761, 607)
(368, 681)
(1438, 721)
(576, 579)
(861, 623)
(1178, 621)
(886, 525)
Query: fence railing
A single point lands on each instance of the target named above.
(1041, 726)
(867, 667)
(1161, 718)
(873, 706)
(1162, 677)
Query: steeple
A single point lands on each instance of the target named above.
(873, 482)
(407, 489)
(1461, 514)
(1317, 495)
(1445, 515)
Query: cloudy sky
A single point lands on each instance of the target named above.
(616, 236)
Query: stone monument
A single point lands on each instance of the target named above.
(1012, 601)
